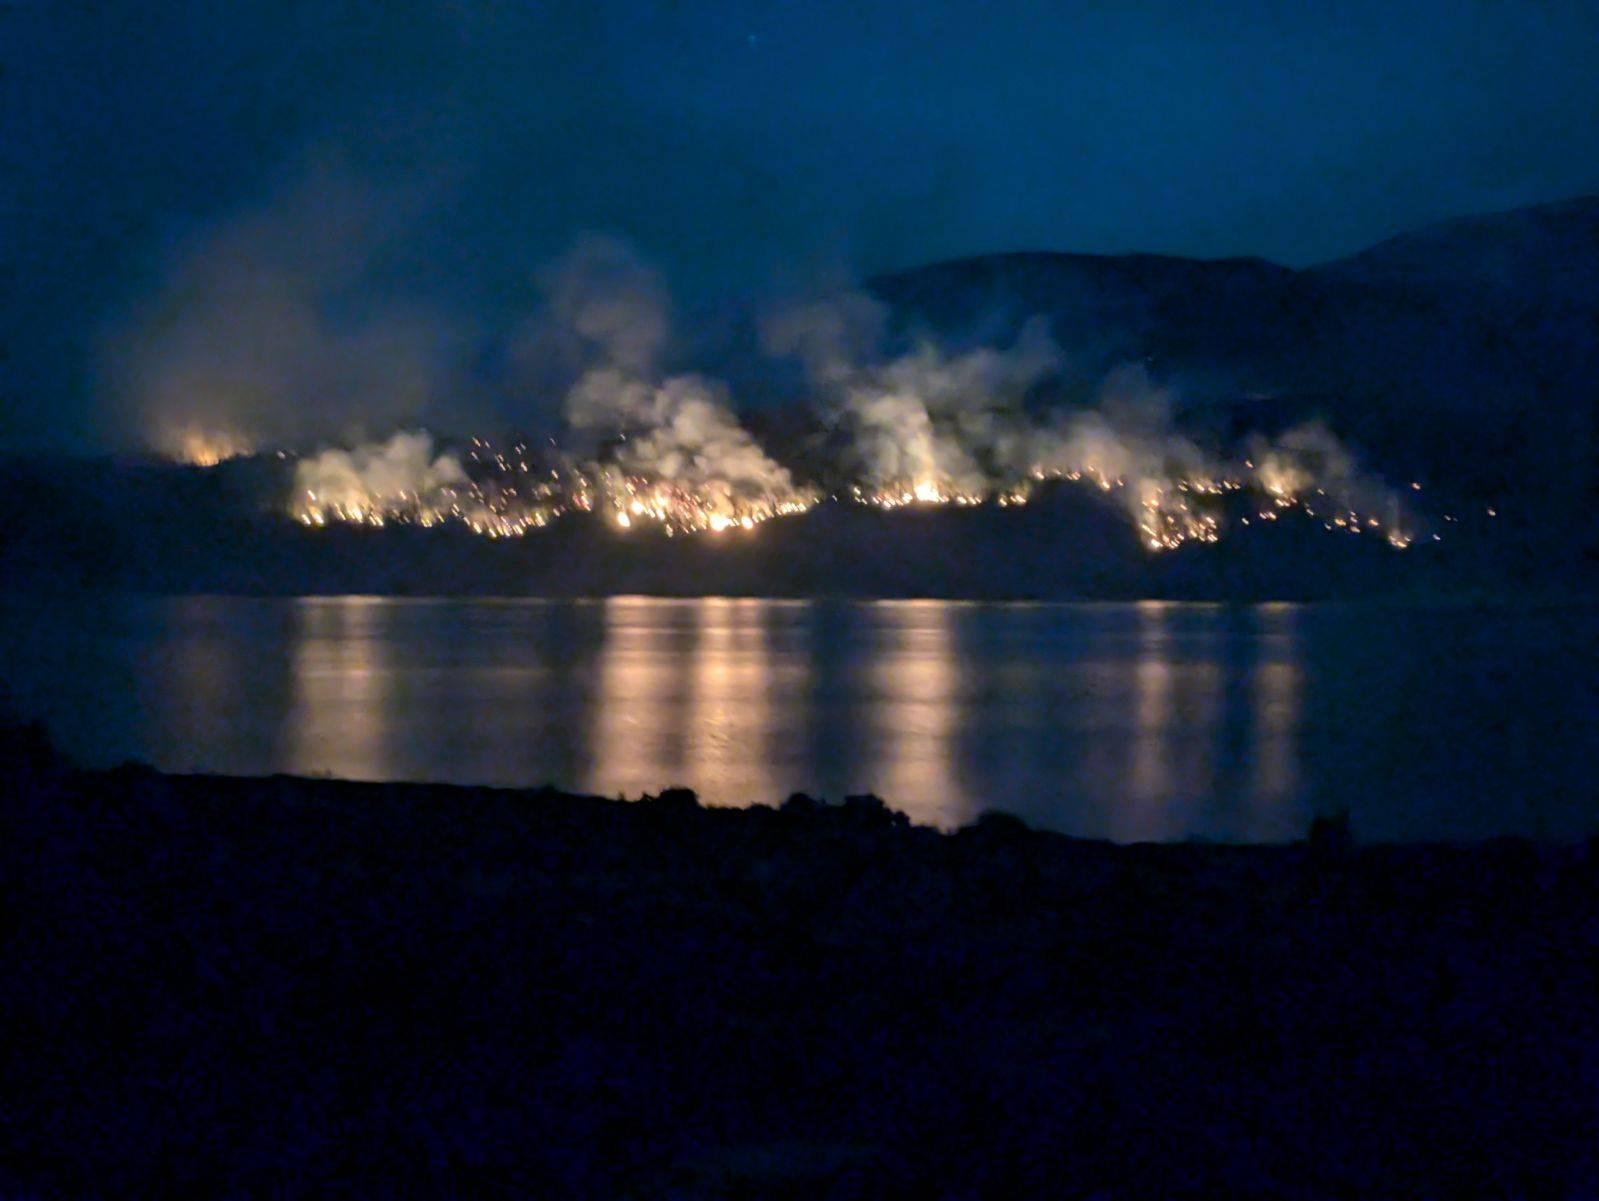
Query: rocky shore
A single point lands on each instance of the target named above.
(295, 988)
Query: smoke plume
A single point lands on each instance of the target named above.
(673, 433)
(267, 330)
(929, 426)
(400, 476)
(270, 330)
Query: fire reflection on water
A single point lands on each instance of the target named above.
(637, 731)
(1150, 774)
(1275, 703)
(730, 708)
(914, 711)
(692, 693)
(1178, 682)
(340, 720)
(1147, 721)
(1100, 720)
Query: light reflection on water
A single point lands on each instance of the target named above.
(1152, 777)
(343, 686)
(913, 710)
(1138, 721)
(1275, 688)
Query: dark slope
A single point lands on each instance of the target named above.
(1547, 251)
(1104, 310)
(1467, 353)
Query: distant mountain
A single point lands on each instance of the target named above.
(1466, 353)
(1548, 252)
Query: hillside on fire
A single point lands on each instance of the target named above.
(1420, 416)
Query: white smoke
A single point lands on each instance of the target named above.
(401, 475)
(833, 337)
(265, 330)
(1310, 467)
(264, 334)
(927, 425)
(696, 445)
(664, 448)
(672, 431)
(1127, 445)
(932, 427)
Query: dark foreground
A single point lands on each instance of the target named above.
(285, 988)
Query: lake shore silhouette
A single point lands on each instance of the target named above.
(291, 987)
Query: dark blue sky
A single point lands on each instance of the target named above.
(746, 145)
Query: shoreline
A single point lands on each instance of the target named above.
(285, 987)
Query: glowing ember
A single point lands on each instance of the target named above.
(405, 482)
(508, 493)
(207, 448)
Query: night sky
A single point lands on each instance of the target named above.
(745, 145)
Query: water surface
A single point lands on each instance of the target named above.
(1127, 721)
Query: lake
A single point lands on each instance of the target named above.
(1148, 721)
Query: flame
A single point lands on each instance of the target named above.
(497, 499)
(505, 495)
(207, 448)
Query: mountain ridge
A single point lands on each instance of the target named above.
(1468, 348)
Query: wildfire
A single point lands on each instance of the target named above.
(507, 495)
(510, 492)
(924, 491)
(680, 509)
(207, 448)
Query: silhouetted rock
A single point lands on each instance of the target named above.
(802, 804)
(1330, 838)
(999, 826)
(869, 809)
(27, 747)
(675, 800)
